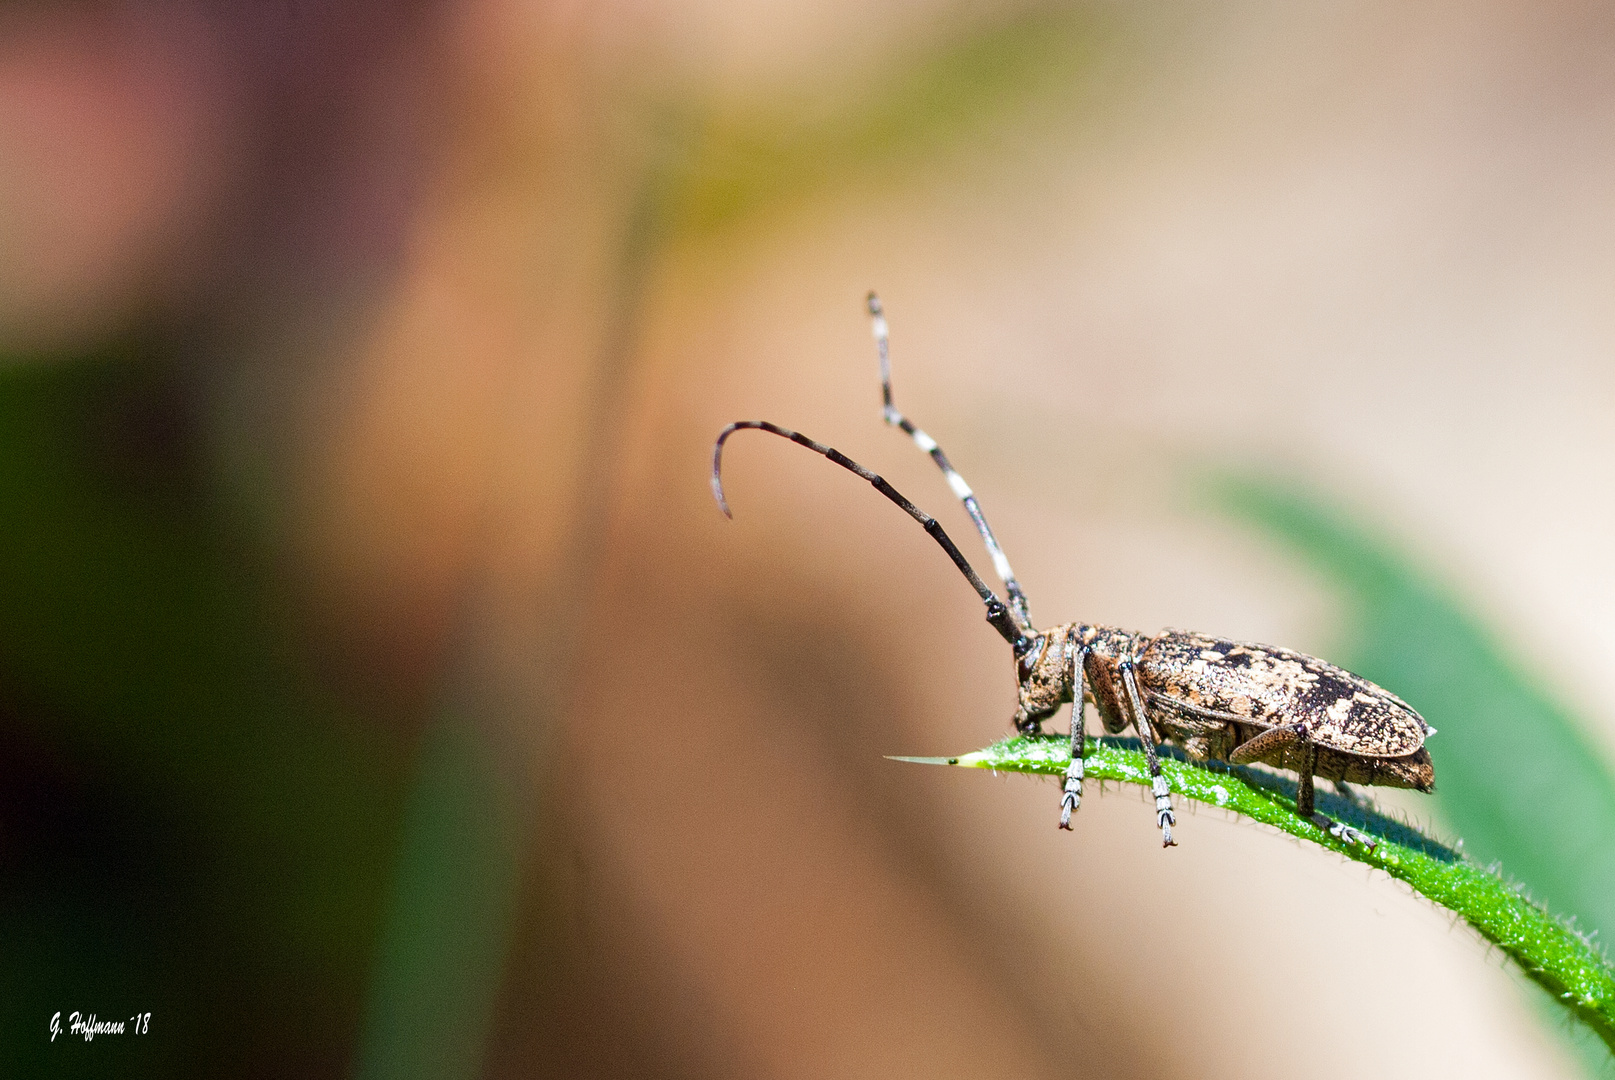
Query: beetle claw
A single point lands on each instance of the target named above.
(1343, 832)
(1166, 819)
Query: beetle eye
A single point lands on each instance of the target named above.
(1030, 652)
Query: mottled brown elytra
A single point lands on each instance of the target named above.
(1217, 699)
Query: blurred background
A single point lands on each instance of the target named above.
(382, 695)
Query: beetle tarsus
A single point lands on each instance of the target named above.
(1344, 832)
(1067, 806)
(1072, 798)
(1164, 816)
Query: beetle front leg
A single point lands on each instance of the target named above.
(1072, 797)
(1164, 817)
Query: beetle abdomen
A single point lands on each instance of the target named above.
(1246, 683)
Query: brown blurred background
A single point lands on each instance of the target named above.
(381, 693)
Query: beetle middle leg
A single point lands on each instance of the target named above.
(1164, 817)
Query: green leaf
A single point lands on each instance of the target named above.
(1517, 776)
(1550, 950)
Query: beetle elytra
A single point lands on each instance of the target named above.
(1215, 698)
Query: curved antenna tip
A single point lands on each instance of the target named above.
(723, 504)
(717, 469)
(874, 303)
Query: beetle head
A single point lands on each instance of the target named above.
(1043, 672)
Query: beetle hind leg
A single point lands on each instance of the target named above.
(1278, 737)
(1304, 805)
(1260, 746)
(1343, 832)
(1345, 791)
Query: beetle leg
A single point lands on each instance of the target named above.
(1072, 798)
(1345, 791)
(1343, 832)
(1304, 807)
(1273, 738)
(1164, 817)
(1303, 784)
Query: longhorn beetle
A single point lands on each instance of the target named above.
(1215, 698)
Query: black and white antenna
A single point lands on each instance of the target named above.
(1017, 598)
(1014, 626)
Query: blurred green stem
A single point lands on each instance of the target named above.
(1552, 953)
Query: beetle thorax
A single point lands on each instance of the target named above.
(1107, 647)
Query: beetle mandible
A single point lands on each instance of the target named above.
(1215, 698)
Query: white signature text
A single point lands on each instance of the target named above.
(90, 1026)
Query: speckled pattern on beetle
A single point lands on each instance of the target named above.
(1230, 701)
(1217, 699)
